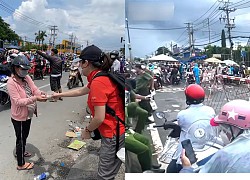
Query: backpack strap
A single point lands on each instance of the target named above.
(110, 111)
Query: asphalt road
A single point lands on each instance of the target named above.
(47, 141)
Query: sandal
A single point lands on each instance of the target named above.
(28, 167)
(27, 154)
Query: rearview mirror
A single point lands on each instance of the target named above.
(160, 115)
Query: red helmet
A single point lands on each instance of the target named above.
(235, 113)
(195, 94)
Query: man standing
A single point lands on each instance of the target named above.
(56, 70)
(114, 55)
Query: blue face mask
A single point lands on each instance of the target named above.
(22, 72)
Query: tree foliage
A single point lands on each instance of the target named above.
(223, 39)
(163, 50)
(6, 33)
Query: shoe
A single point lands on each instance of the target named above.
(82, 84)
(151, 118)
(155, 171)
(156, 166)
(61, 99)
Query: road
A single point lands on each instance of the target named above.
(47, 141)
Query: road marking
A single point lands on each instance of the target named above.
(156, 143)
(44, 86)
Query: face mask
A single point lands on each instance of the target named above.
(23, 73)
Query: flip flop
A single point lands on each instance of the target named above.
(27, 167)
(27, 154)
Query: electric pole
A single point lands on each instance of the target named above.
(207, 24)
(190, 37)
(129, 45)
(71, 41)
(229, 23)
(53, 35)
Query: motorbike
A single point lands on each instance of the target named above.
(73, 77)
(176, 79)
(190, 78)
(204, 140)
(4, 95)
(157, 83)
(67, 66)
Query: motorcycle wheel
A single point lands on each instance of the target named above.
(70, 84)
(4, 98)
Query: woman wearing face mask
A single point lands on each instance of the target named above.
(101, 92)
(23, 95)
(234, 122)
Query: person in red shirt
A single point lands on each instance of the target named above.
(101, 91)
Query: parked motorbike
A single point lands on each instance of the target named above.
(73, 78)
(4, 95)
(203, 137)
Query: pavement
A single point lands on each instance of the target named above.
(47, 141)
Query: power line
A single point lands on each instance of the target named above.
(205, 12)
(233, 37)
(180, 35)
(156, 29)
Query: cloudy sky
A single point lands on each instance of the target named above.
(145, 15)
(99, 22)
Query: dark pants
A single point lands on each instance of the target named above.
(22, 129)
(173, 167)
(55, 83)
(80, 77)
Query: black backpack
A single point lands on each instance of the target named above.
(118, 79)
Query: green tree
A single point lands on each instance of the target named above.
(163, 50)
(6, 33)
(223, 39)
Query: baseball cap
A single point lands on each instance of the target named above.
(91, 53)
(77, 60)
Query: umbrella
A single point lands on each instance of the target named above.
(162, 57)
(229, 62)
(213, 60)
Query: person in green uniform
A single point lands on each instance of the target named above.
(144, 83)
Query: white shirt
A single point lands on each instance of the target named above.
(116, 65)
(187, 117)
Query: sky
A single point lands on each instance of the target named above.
(99, 22)
(173, 14)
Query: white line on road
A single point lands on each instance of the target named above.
(43, 86)
(156, 143)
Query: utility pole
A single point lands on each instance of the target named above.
(129, 45)
(209, 30)
(71, 41)
(190, 37)
(228, 24)
(75, 44)
(171, 45)
(53, 35)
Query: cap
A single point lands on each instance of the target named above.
(77, 60)
(91, 53)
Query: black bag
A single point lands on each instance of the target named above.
(118, 79)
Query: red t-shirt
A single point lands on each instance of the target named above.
(103, 91)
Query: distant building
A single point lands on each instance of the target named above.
(68, 47)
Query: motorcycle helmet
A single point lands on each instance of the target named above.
(235, 113)
(114, 54)
(195, 94)
(21, 61)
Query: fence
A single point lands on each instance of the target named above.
(223, 88)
